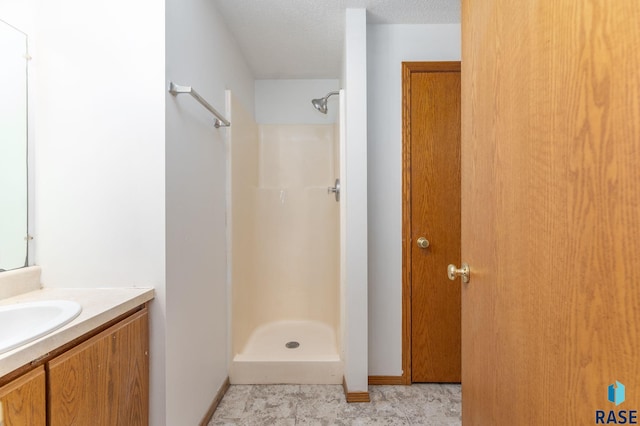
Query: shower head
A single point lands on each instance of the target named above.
(321, 103)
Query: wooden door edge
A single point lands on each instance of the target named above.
(407, 69)
(406, 222)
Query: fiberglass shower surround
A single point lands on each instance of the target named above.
(285, 281)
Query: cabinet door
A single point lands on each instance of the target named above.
(105, 380)
(22, 401)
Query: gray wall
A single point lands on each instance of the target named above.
(201, 53)
(387, 47)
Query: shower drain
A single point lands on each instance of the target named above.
(292, 345)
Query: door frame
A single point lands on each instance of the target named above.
(407, 69)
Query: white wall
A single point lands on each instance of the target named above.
(201, 53)
(18, 13)
(354, 202)
(387, 47)
(100, 172)
(99, 114)
(289, 101)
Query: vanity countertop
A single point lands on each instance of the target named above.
(99, 306)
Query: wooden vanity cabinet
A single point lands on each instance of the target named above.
(104, 380)
(23, 401)
(100, 379)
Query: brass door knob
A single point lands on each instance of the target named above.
(453, 272)
(423, 242)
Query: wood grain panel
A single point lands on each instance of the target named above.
(103, 381)
(431, 209)
(407, 244)
(354, 396)
(61, 349)
(386, 380)
(23, 401)
(551, 138)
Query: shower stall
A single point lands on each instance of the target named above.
(284, 236)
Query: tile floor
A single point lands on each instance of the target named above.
(418, 404)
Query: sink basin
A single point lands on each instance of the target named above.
(21, 323)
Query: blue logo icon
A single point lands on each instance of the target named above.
(616, 393)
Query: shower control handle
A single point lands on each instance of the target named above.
(335, 189)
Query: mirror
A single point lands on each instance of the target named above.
(13, 148)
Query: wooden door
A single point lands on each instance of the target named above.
(23, 402)
(550, 210)
(432, 211)
(103, 381)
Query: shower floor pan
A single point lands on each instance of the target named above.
(271, 355)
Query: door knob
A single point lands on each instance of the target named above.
(335, 189)
(454, 272)
(423, 242)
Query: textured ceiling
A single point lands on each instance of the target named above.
(304, 38)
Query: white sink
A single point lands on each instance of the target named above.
(21, 323)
